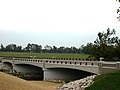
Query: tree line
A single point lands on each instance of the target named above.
(107, 45)
(35, 48)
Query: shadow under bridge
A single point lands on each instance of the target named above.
(29, 69)
(64, 74)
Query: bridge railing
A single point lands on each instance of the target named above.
(82, 59)
(109, 64)
(29, 60)
(66, 62)
(104, 67)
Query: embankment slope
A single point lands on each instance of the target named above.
(9, 82)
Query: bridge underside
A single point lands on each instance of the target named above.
(7, 66)
(56, 73)
(26, 68)
(64, 74)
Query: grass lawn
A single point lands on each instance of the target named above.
(109, 81)
(42, 55)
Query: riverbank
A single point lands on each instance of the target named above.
(9, 82)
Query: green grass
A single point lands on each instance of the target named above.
(109, 81)
(42, 55)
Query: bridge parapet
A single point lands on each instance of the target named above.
(66, 62)
(101, 66)
(82, 59)
(106, 67)
(29, 60)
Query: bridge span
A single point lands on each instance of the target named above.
(52, 69)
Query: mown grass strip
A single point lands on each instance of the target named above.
(42, 55)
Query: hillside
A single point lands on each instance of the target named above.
(8, 82)
(109, 81)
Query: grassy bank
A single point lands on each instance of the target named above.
(42, 55)
(106, 82)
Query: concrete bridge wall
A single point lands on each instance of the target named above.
(55, 69)
(62, 69)
(107, 67)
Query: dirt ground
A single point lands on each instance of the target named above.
(9, 82)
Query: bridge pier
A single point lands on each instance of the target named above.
(44, 73)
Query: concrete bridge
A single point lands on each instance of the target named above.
(51, 69)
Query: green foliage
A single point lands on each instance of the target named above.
(105, 38)
(35, 48)
(106, 46)
(87, 49)
(109, 81)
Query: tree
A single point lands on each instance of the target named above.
(106, 45)
(118, 11)
(54, 49)
(39, 49)
(11, 47)
(19, 49)
(61, 49)
(34, 47)
(2, 47)
(28, 48)
(87, 49)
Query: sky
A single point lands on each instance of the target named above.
(56, 22)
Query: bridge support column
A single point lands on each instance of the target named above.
(44, 70)
(13, 62)
(13, 65)
(44, 73)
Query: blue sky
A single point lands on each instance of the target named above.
(56, 22)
